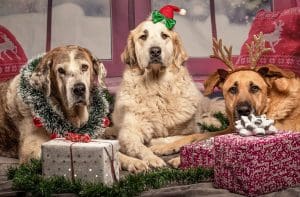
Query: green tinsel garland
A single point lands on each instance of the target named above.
(28, 177)
(211, 128)
(51, 120)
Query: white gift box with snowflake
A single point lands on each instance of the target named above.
(96, 161)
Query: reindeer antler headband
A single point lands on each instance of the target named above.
(255, 49)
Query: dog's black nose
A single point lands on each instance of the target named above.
(79, 89)
(155, 52)
(243, 109)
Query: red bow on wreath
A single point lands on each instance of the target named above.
(75, 137)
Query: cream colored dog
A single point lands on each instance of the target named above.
(65, 75)
(157, 97)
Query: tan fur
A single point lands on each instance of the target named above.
(278, 97)
(156, 99)
(18, 135)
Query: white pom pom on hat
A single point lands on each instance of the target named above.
(182, 12)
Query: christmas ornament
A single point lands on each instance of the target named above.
(105, 122)
(166, 14)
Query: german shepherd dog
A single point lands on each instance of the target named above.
(250, 90)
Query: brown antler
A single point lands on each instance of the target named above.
(256, 49)
(219, 49)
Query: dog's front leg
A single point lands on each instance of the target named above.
(31, 139)
(132, 143)
(174, 147)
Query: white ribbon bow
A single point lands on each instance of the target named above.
(255, 125)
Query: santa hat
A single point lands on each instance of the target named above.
(168, 11)
(166, 14)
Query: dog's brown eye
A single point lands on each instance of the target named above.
(164, 36)
(84, 67)
(143, 37)
(61, 71)
(254, 89)
(233, 90)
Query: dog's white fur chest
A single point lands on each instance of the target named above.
(165, 104)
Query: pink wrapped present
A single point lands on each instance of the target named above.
(257, 165)
(198, 154)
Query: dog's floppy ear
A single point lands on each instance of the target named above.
(276, 77)
(40, 77)
(180, 55)
(128, 56)
(215, 80)
(269, 71)
(100, 72)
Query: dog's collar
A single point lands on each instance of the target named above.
(49, 118)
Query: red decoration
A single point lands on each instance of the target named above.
(37, 122)
(75, 137)
(281, 33)
(105, 122)
(168, 11)
(54, 136)
(12, 55)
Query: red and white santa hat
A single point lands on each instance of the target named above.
(165, 15)
(168, 11)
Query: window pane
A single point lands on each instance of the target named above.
(195, 27)
(26, 20)
(234, 18)
(84, 23)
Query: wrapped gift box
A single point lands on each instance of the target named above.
(257, 165)
(96, 161)
(198, 154)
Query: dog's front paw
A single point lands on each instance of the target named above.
(175, 162)
(137, 166)
(164, 149)
(155, 162)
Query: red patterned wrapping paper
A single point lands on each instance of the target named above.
(198, 154)
(257, 165)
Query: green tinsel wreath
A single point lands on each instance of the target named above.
(51, 120)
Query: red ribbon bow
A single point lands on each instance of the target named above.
(75, 137)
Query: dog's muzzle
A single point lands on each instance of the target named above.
(243, 109)
(155, 55)
(79, 91)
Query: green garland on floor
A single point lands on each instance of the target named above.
(211, 128)
(28, 177)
